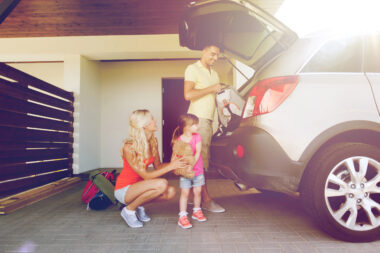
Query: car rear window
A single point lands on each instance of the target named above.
(247, 37)
(372, 59)
(343, 55)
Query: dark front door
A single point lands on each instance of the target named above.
(173, 105)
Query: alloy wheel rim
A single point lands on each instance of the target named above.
(352, 193)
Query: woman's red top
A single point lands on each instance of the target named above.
(128, 176)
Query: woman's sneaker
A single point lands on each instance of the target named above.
(198, 215)
(131, 219)
(141, 214)
(183, 222)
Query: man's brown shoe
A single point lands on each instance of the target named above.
(214, 207)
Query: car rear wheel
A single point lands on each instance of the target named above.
(342, 191)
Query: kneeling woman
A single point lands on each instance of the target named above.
(135, 185)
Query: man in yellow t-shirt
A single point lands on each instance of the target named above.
(201, 85)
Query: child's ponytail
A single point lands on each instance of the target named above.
(177, 133)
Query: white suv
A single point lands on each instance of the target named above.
(311, 123)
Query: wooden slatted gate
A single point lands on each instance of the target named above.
(36, 132)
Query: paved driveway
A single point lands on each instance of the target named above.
(254, 222)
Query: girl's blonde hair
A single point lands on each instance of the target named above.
(184, 120)
(137, 138)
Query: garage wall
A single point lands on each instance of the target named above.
(89, 116)
(109, 92)
(127, 86)
(51, 72)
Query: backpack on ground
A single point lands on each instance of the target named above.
(99, 202)
(98, 193)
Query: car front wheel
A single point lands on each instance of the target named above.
(342, 191)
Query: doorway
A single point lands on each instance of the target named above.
(173, 105)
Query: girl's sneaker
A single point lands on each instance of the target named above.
(183, 222)
(198, 215)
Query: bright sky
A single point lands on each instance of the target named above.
(347, 16)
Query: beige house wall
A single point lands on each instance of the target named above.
(106, 93)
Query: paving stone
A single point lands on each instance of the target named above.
(204, 246)
(280, 237)
(234, 237)
(228, 248)
(173, 248)
(265, 245)
(253, 223)
(271, 251)
(290, 247)
(243, 247)
(204, 251)
(305, 247)
(333, 250)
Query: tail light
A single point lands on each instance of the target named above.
(268, 94)
(239, 150)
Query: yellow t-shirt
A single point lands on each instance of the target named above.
(203, 107)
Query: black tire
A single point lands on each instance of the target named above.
(343, 201)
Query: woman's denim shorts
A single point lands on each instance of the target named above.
(186, 183)
(120, 194)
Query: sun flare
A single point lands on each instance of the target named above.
(341, 16)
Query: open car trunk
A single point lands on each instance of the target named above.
(239, 28)
(242, 31)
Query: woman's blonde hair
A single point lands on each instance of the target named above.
(137, 138)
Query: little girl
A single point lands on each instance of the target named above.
(187, 131)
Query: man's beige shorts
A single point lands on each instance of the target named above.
(205, 131)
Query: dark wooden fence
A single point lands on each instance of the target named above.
(36, 131)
